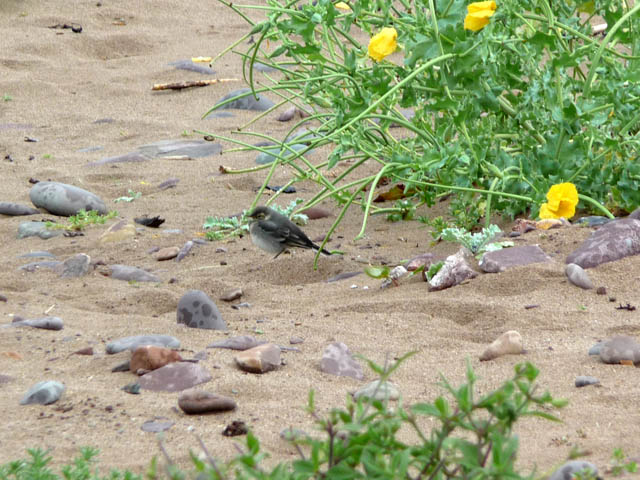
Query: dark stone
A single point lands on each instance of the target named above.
(613, 241)
(196, 402)
(571, 468)
(500, 260)
(44, 393)
(192, 67)
(76, 266)
(584, 380)
(16, 209)
(235, 428)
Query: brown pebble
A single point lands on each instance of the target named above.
(149, 357)
(601, 291)
(166, 253)
(296, 340)
(196, 402)
(232, 295)
(84, 351)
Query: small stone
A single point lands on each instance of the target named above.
(377, 390)
(232, 295)
(166, 253)
(291, 434)
(175, 377)
(195, 402)
(569, 470)
(501, 260)
(132, 388)
(37, 229)
(121, 367)
(578, 276)
(260, 359)
(235, 428)
(157, 425)
(76, 266)
(46, 323)
(131, 343)
(596, 349)
(16, 209)
(316, 213)
(197, 310)
(65, 200)
(508, 343)
(84, 351)
(150, 357)
(423, 260)
(296, 340)
(620, 349)
(593, 221)
(131, 274)
(240, 342)
(44, 393)
(601, 290)
(3, 299)
(548, 223)
(184, 251)
(337, 360)
(454, 271)
(394, 277)
(243, 99)
(584, 380)
(31, 267)
(118, 232)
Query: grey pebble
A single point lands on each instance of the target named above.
(377, 390)
(45, 323)
(16, 209)
(184, 251)
(44, 393)
(175, 377)
(37, 254)
(578, 276)
(584, 380)
(501, 260)
(131, 343)
(192, 67)
(337, 360)
(197, 310)
(65, 200)
(243, 99)
(37, 229)
(76, 266)
(128, 273)
(35, 266)
(569, 469)
(157, 425)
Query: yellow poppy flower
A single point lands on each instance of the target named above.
(478, 15)
(342, 6)
(383, 44)
(562, 199)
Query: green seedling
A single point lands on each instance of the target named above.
(130, 198)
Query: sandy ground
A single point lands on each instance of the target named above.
(61, 83)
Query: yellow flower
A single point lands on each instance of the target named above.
(342, 6)
(478, 15)
(562, 199)
(383, 44)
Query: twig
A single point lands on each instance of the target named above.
(189, 84)
(211, 460)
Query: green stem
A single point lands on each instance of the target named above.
(596, 204)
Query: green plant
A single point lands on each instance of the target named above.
(620, 464)
(6, 97)
(83, 219)
(477, 243)
(130, 198)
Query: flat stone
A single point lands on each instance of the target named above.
(337, 360)
(501, 260)
(166, 253)
(578, 276)
(246, 102)
(131, 157)
(193, 67)
(37, 229)
(593, 221)
(175, 377)
(423, 260)
(508, 343)
(76, 266)
(378, 390)
(240, 342)
(260, 359)
(37, 254)
(571, 468)
(35, 266)
(157, 425)
(65, 200)
(128, 274)
(151, 357)
(197, 310)
(16, 209)
(584, 380)
(44, 393)
(45, 323)
(613, 241)
(195, 402)
(181, 148)
(232, 295)
(184, 251)
(454, 271)
(620, 349)
(118, 232)
(131, 343)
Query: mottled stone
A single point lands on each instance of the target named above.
(378, 390)
(175, 377)
(454, 271)
(151, 357)
(240, 342)
(508, 343)
(620, 349)
(571, 468)
(65, 200)
(195, 402)
(260, 359)
(166, 253)
(44, 393)
(613, 241)
(37, 229)
(118, 232)
(128, 274)
(45, 323)
(337, 360)
(578, 276)
(500, 260)
(76, 266)
(131, 343)
(245, 100)
(197, 310)
(584, 380)
(16, 209)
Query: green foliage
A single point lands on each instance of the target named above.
(6, 97)
(477, 243)
(130, 198)
(83, 219)
(620, 465)
(434, 268)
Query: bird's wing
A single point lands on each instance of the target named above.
(277, 233)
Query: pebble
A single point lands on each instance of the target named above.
(454, 271)
(131, 343)
(337, 360)
(612, 241)
(180, 148)
(501, 260)
(166, 253)
(151, 357)
(378, 390)
(44, 393)
(571, 468)
(593, 221)
(157, 425)
(549, 223)
(296, 340)
(620, 349)
(596, 349)
(508, 343)
(128, 274)
(423, 260)
(84, 351)
(343, 276)
(247, 102)
(260, 359)
(578, 276)
(197, 310)
(3, 298)
(131, 157)
(193, 67)
(241, 342)
(35, 266)
(235, 428)
(37, 254)
(584, 380)
(175, 377)
(316, 213)
(45, 323)
(76, 266)
(195, 402)
(118, 232)
(394, 276)
(132, 388)
(184, 251)
(232, 295)
(168, 183)
(65, 200)
(37, 229)
(16, 209)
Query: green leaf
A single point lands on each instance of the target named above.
(377, 272)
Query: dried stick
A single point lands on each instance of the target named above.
(194, 83)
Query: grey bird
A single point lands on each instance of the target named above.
(275, 233)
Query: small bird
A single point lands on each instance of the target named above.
(275, 233)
